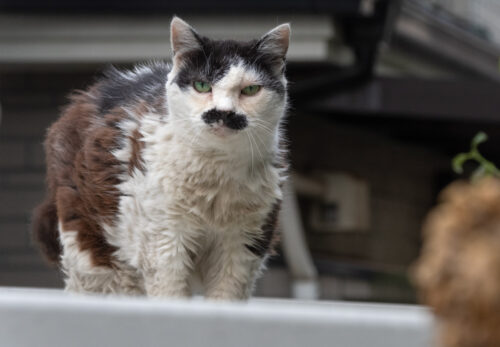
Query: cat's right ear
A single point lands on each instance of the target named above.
(274, 44)
(183, 38)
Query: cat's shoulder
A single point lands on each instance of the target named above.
(144, 84)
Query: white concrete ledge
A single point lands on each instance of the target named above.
(53, 318)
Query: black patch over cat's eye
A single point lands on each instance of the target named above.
(213, 60)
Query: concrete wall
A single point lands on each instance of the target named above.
(401, 177)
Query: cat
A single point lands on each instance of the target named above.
(164, 173)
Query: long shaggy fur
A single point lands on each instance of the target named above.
(152, 183)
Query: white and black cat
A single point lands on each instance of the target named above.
(162, 173)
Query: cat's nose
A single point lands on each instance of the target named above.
(230, 119)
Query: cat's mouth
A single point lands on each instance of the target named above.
(220, 129)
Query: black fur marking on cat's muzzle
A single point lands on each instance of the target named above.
(230, 119)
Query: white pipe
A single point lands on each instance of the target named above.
(297, 255)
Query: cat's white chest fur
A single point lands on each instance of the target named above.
(200, 198)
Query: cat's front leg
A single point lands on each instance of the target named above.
(231, 269)
(170, 265)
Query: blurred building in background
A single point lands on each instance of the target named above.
(383, 94)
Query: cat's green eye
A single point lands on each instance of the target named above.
(250, 90)
(202, 87)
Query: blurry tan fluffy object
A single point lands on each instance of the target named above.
(458, 273)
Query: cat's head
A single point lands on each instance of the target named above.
(224, 91)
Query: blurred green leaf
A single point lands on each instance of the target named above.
(458, 162)
(486, 168)
(478, 139)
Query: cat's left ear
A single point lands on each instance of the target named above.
(275, 43)
(183, 38)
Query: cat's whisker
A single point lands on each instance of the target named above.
(264, 122)
(257, 147)
(262, 125)
(266, 130)
(264, 146)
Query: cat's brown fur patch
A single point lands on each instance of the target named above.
(44, 225)
(137, 145)
(140, 109)
(82, 172)
(82, 175)
(62, 143)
